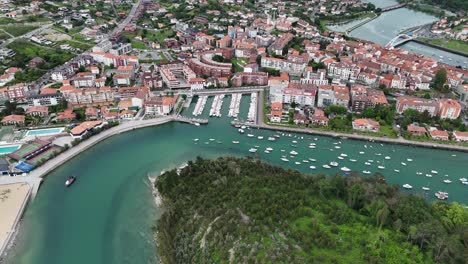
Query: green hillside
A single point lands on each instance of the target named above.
(234, 210)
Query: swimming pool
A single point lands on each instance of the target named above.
(8, 149)
(43, 132)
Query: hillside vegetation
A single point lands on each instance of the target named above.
(233, 210)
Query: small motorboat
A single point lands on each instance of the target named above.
(345, 169)
(404, 164)
(367, 163)
(334, 163)
(70, 181)
(294, 142)
(366, 172)
(313, 160)
(396, 170)
(341, 158)
(409, 160)
(407, 186)
(361, 152)
(250, 135)
(196, 139)
(463, 179)
(428, 175)
(267, 152)
(305, 161)
(269, 149)
(212, 139)
(271, 138)
(241, 130)
(387, 157)
(447, 181)
(326, 166)
(293, 152)
(441, 195)
(284, 159)
(434, 171)
(312, 167)
(260, 137)
(311, 147)
(297, 163)
(337, 147)
(426, 188)
(381, 167)
(343, 155)
(235, 142)
(352, 160)
(419, 173)
(252, 150)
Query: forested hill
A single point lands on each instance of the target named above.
(234, 210)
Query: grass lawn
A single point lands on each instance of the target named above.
(138, 45)
(160, 35)
(450, 44)
(78, 44)
(18, 30)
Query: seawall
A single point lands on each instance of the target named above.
(461, 53)
(363, 137)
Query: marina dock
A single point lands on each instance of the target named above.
(235, 105)
(252, 115)
(216, 106)
(200, 105)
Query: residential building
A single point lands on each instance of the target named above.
(276, 112)
(13, 120)
(364, 124)
(415, 130)
(419, 104)
(439, 134)
(460, 136)
(319, 118)
(449, 109)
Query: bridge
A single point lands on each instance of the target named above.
(393, 7)
(399, 40)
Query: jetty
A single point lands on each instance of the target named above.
(200, 105)
(252, 115)
(216, 106)
(235, 105)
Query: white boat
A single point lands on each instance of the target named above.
(235, 142)
(250, 135)
(241, 130)
(426, 188)
(447, 181)
(196, 124)
(341, 158)
(260, 137)
(271, 138)
(409, 159)
(311, 147)
(326, 166)
(367, 163)
(283, 150)
(313, 160)
(370, 161)
(387, 157)
(463, 179)
(454, 155)
(243, 127)
(312, 167)
(361, 152)
(267, 152)
(428, 175)
(297, 163)
(294, 142)
(345, 169)
(284, 159)
(418, 173)
(293, 152)
(196, 139)
(366, 172)
(269, 149)
(343, 155)
(465, 182)
(396, 170)
(334, 163)
(381, 167)
(337, 147)
(305, 161)
(407, 186)
(312, 144)
(253, 150)
(441, 195)
(352, 160)
(404, 164)
(434, 171)
(378, 154)
(212, 139)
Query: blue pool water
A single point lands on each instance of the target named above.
(8, 149)
(47, 131)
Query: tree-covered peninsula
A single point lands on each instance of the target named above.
(232, 210)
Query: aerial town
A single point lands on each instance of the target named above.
(319, 87)
(72, 69)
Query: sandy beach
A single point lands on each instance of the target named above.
(13, 199)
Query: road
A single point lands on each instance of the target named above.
(127, 20)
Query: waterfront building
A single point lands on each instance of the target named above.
(460, 136)
(415, 130)
(85, 127)
(205, 65)
(319, 118)
(13, 120)
(38, 111)
(160, 105)
(439, 134)
(45, 98)
(419, 104)
(176, 75)
(364, 124)
(276, 112)
(449, 109)
(300, 93)
(250, 78)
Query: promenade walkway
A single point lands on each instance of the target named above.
(52, 164)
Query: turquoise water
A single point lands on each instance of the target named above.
(48, 131)
(108, 214)
(8, 149)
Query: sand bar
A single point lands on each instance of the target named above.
(13, 200)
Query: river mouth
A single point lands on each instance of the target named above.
(108, 215)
